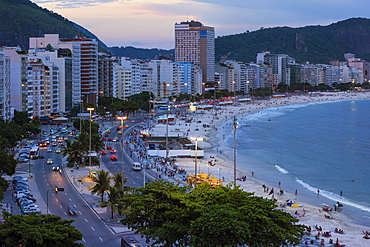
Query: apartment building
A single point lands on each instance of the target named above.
(195, 43)
(18, 77)
(84, 54)
(5, 111)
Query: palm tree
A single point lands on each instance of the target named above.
(113, 199)
(102, 184)
(96, 143)
(74, 151)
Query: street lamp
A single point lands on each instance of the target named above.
(123, 118)
(90, 109)
(234, 90)
(235, 126)
(196, 139)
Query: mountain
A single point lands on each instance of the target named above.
(141, 53)
(22, 19)
(316, 44)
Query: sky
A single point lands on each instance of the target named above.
(150, 23)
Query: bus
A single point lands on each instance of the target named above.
(34, 152)
(136, 166)
(130, 242)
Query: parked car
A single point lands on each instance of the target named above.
(22, 160)
(103, 152)
(49, 150)
(49, 161)
(58, 150)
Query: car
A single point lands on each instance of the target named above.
(31, 210)
(103, 152)
(113, 151)
(103, 139)
(30, 198)
(110, 139)
(113, 158)
(115, 139)
(72, 210)
(23, 160)
(126, 126)
(49, 161)
(62, 144)
(119, 132)
(108, 131)
(55, 168)
(132, 121)
(119, 127)
(58, 150)
(54, 144)
(106, 135)
(109, 147)
(49, 150)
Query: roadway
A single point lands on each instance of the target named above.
(94, 230)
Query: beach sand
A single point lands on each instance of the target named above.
(219, 123)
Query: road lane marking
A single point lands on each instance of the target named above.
(101, 239)
(93, 229)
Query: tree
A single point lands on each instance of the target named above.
(21, 117)
(224, 216)
(74, 151)
(113, 199)
(43, 230)
(102, 184)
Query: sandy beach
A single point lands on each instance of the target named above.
(213, 125)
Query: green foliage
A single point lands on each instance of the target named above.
(44, 231)
(172, 215)
(22, 19)
(102, 184)
(21, 117)
(317, 44)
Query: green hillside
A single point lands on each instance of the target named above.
(316, 44)
(21, 19)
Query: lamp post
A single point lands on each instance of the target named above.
(235, 126)
(168, 110)
(196, 139)
(234, 90)
(123, 118)
(90, 109)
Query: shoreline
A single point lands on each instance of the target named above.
(215, 146)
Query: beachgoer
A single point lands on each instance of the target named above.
(296, 192)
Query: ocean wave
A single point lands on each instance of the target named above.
(280, 169)
(332, 196)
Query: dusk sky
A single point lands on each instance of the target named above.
(150, 24)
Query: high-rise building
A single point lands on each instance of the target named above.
(5, 113)
(18, 77)
(195, 43)
(84, 52)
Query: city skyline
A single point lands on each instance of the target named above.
(148, 24)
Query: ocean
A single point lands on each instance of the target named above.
(321, 146)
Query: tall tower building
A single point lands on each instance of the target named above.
(195, 43)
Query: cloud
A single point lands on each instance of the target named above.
(61, 4)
